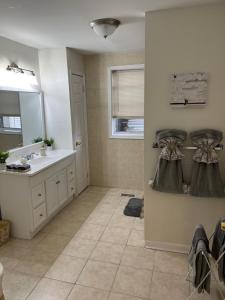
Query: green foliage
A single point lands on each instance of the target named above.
(37, 140)
(49, 142)
(3, 156)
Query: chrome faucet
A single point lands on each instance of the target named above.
(29, 156)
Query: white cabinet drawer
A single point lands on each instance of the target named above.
(38, 195)
(70, 172)
(39, 215)
(71, 188)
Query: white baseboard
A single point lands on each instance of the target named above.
(164, 246)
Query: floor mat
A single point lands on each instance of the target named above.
(134, 207)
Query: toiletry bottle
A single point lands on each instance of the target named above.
(42, 151)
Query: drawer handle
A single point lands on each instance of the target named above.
(57, 182)
(71, 172)
(72, 188)
(39, 195)
(41, 215)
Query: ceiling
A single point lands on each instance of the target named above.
(65, 23)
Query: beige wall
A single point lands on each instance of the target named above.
(182, 40)
(113, 162)
(75, 61)
(10, 141)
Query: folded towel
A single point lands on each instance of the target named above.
(200, 234)
(134, 207)
(18, 167)
(199, 260)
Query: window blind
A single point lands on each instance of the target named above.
(128, 93)
(11, 122)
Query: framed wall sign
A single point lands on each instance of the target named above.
(189, 88)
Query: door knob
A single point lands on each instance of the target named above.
(78, 143)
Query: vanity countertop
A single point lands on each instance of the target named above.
(40, 163)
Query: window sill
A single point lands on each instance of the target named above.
(127, 137)
(10, 131)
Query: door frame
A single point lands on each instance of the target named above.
(85, 117)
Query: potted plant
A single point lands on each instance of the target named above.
(3, 157)
(37, 140)
(49, 144)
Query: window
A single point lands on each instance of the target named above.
(126, 101)
(10, 124)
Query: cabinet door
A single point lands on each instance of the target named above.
(71, 188)
(71, 172)
(38, 195)
(62, 186)
(52, 194)
(39, 215)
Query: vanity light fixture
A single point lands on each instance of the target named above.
(15, 68)
(104, 27)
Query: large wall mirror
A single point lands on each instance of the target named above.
(21, 118)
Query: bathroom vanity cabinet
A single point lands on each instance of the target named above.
(30, 200)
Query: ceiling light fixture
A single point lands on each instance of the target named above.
(15, 68)
(104, 27)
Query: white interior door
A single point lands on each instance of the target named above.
(79, 123)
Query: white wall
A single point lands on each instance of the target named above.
(26, 57)
(55, 85)
(182, 40)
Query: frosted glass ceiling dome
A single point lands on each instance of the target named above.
(104, 27)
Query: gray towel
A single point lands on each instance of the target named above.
(169, 174)
(200, 266)
(200, 234)
(206, 180)
(206, 140)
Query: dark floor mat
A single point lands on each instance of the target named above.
(134, 207)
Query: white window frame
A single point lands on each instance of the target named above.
(110, 119)
(11, 130)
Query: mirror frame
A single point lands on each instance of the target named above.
(37, 91)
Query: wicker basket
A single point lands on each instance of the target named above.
(4, 231)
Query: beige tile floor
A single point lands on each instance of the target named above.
(91, 251)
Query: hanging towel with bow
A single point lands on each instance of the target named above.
(169, 173)
(206, 179)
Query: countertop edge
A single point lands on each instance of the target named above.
(28, 174)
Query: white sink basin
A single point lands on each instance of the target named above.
(39, 163)
(40, 160)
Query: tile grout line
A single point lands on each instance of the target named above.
(153, 270)
(96, 206)
(89, 258)
(119, 265)
(33, 288)
(51, 266)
